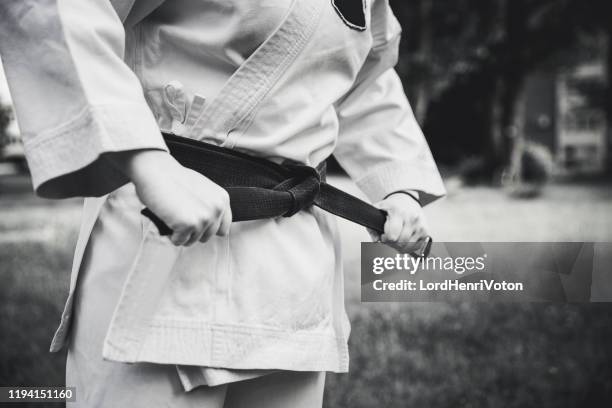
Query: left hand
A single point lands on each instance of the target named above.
(405, 222)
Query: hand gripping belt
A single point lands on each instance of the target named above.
(259, 188)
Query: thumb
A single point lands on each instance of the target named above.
(383, 205)
(374, 235)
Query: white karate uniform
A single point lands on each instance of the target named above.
(280, 79)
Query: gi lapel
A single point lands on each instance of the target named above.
(235, 105)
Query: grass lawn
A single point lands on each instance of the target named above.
(418, 354)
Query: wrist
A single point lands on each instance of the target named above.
(138, 165)
(410, 193)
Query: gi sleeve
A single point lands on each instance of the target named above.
(77, 102)
(380, 143)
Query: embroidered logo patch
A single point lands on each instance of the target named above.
(352, 13)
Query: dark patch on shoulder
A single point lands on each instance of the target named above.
(352, 13)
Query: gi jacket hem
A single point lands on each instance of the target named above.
(232, 346)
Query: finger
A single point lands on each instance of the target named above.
(408, 230)
(198, 232)
(180, 237)
(226, 223)
(422, 230)
(194, 237)
(423, 234)
(419, 234)
(393, 228)
(211, 230)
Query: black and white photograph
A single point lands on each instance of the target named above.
(306, 203)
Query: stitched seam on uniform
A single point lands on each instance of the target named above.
(97, 131)
(127, 326)
(119, 317)
(197, 104)
(248, 117)
(233, 327)
(303, 39)
(374, 185)
(376, 173)
(83, 119)
(211, 112)
(124, 327)
(188, 346)
(239, 94)
(253, 80)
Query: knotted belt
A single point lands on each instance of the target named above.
(259, 188)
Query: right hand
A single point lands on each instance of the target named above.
(193, 206)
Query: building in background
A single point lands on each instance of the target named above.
(564, 112)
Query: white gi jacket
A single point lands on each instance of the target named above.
(93, 77)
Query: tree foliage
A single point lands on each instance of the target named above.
(469, 60)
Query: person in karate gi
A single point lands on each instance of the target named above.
(221, 313)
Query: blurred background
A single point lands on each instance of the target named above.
(515, 99)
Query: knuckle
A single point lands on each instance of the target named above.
(225, 204)
(225, 197)
(203, 222)
(218, 210)
(179, 228)
(206, 236)
(187, 224)
(191, 225)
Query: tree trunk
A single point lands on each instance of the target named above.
(493, 12)
(423, 89)
(507, 124)
(608, 98)
(515, 136)
(496, 148)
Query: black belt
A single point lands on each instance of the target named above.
(259, 188)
